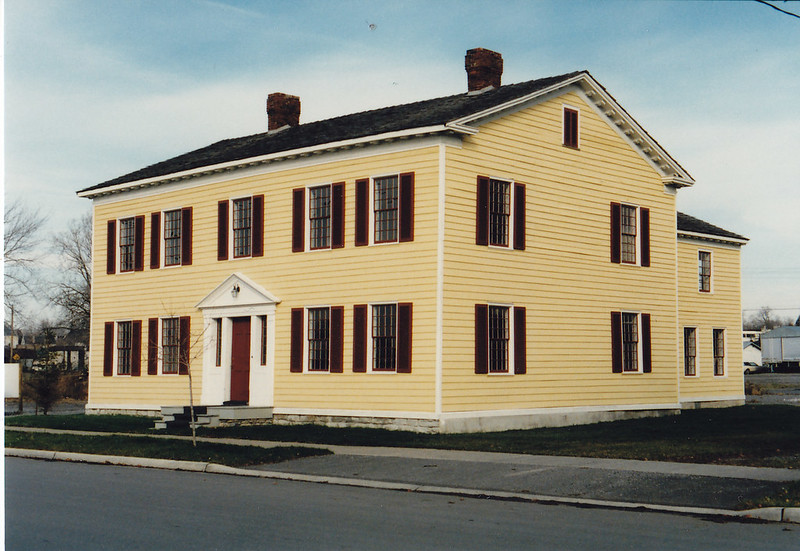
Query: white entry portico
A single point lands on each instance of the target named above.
(238, 302)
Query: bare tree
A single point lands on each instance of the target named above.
(20, 241)
(765, 319)
(73, 290)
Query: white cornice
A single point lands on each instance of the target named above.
(689, 235)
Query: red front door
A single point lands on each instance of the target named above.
(240, 360)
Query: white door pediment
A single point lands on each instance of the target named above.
(237, 291)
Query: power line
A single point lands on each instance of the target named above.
(777, 8)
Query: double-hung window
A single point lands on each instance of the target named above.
(689, 351)
(172, 238)
(719, 352)
(500, 339)
(499, 212)
(630, 343)
(127, 242)
(500, 216)
(704, 271)
(172, 229)
(319, 336)
(240, 227)
(319, 217)
(124, 347)
(630, 234)
(384, 337)
(385, 209)
(321, 209)
(170, 345)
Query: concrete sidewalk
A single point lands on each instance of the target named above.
(660, 486)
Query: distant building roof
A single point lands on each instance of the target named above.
(755, 345)
(786, 331)
(691, 226)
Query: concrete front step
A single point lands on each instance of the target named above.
(211, 416)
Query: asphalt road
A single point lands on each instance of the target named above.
(55, 505)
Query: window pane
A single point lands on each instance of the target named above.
(319, 214)
(689, 351)
(498, 339)
(384, 337)
(172, 238)
(170, 347)
(630, 342)
(242, 220)
(263, 339)
(499, 212)
(124, 348)
(704, 271)
(318, 338)
(126, 244)
(386, 205)
(628, 241)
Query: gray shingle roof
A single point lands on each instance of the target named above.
(367, 123)
(688, 223)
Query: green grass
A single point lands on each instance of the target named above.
(766, 436)
(132, 446)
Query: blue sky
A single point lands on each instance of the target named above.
(97, 88)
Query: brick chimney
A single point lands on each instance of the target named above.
(282, 110)
(484, 69)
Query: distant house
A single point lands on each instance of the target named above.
(780, 347)
(751, 352)
(506, 257)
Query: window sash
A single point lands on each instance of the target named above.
(499, 338)
(628, 216)
(719, 352)
(263, 339)
(127, 242)
(319, 339)
(630, 342)
(242, 227)
(124, 352)
(704, 271)
(386, 206)
(384, 337)
(499, 212)
(218, 351)
(172, 238)
(689, 351)
(170, 345)
(319, 215)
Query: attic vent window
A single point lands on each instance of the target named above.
(570, 127)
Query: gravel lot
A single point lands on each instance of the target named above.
(775, 388)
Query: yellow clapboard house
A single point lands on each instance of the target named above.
(506, 257)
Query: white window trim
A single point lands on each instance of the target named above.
(696, 352)
(711, 271)
(511, 191)
(306, 321)
(370, 359)
(725, 351)
(638, 240)
(231, 252)
(307, 208)
(511, 355)
(115, 360)
(639, 355)
(371, 221)
(564, 107)
(163, 239)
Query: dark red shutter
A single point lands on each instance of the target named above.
(519, 217)
(152, 346)
(108, 350)
(482, 212)
(481, 339)
(296, 350)
(616, 342)
(136, 348)
(111, 247)
(362, 213)
(222, 230)
(186, 236)
(647, 360)
(337, 339)
(298, 220)
(616, 232)
(520, 345)
(138, 244)
(258, 225)
(405, 314)
(155, 240)
(337, 216)
(644, 222)
(360, 338)
(407, 207)
(185, 332)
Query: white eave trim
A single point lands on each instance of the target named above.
(709, 237)
(265, 159)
